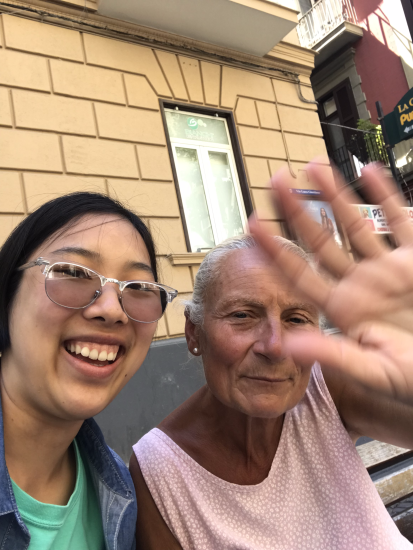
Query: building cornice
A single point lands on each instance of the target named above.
(285, 61)
(286, 54)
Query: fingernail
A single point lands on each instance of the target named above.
(253, 220)
(321, 159)
(274, 182)
(373, 166)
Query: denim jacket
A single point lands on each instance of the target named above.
(113, 486)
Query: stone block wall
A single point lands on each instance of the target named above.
(81, 112)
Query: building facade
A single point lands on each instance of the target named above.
(180, 109)
(364, 55)
(81, 110)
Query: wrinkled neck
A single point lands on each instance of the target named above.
(254, 440)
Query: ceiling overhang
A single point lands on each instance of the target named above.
(342, 36)
(249, 26)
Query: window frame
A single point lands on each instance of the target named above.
(344, 84)
(203, 149)
(233, 146)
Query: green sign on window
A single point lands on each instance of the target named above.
(196, 127)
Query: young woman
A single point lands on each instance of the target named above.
(79, 301)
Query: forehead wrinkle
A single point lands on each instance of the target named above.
(242, 301)
(306, 306)
(285, 304)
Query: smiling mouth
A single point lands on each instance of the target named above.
(92, 353)
(268, 380)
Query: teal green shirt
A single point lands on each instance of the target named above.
(76, 526)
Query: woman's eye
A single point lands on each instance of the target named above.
(79, 274)
(298, 320)
(240, 315)
(76, 273)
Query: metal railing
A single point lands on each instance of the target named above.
(361, 148)
(324, 17)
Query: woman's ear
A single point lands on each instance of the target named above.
(191, 335)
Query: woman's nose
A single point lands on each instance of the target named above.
(107, 306)
(269, 342)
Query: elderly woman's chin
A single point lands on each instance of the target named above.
(260, 397)
(264, 406)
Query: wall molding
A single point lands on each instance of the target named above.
(285, 61)
(188, 258)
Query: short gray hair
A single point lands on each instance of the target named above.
(208, 270)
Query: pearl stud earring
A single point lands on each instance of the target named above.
(195, 350)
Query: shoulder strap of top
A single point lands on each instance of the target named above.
(318, 391)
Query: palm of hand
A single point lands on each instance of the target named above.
(370, 301)
(376, 289)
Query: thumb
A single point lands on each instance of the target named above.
(366, 366)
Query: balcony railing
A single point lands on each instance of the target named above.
(323, 18)
(360, 148)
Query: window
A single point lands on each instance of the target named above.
(338, 114)
(305, 6)
(210, 191)
(330, 106)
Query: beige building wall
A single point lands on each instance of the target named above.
(81, 111)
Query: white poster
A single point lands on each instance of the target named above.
(374, 216)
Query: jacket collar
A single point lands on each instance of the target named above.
(7, 501)
(101, 459)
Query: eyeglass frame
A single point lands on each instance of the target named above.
(171, 293)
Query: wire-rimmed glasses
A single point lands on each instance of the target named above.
(75, 286)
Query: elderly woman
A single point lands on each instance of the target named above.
(262, 457)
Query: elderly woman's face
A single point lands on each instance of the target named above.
(247, 314)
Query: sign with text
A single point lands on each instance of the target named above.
(375, 217)
(399, 123)
(183, 125)
(306, 192)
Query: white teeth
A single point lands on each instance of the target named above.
(103, 355)
(94, 354)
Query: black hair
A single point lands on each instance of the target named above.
(42, 224)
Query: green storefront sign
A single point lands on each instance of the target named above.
(399, 123)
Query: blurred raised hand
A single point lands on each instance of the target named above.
(370, 300)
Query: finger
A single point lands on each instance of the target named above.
(382, 190)
(365, 366)
(295, 269)
(342, 199)
(318, 240)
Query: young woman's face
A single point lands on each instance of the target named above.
(323, 212)
(39, 373)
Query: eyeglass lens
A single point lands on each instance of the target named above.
(73, 286)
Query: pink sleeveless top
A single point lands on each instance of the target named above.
(317, 496)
